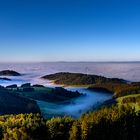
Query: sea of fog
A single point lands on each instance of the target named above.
(31, 72)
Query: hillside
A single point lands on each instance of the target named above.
(79, 79)
(108, 123)
(118, 90)
(39, 92)
(15, 100)
(12, 103)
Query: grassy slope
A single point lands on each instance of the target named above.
(135, 104)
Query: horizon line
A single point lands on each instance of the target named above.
(138, 61)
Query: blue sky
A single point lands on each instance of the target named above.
(69, 30)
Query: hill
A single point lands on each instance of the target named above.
(12, 103)
(78, 79)
(39, 92)
(118, 89)
(9, 73)
(5, 79)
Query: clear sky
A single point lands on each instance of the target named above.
(69, 30)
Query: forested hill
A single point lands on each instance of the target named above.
(106, 124)
(66, 78)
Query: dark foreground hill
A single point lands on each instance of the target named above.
(66, 78)
(12, 103)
